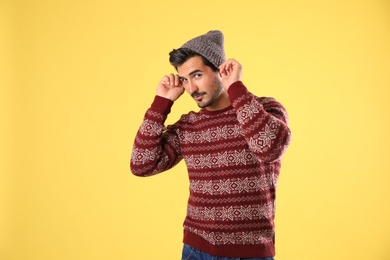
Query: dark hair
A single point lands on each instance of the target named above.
(179, 56)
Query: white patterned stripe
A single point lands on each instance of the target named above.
(248, 225)
(248, 111)
(211, 135)
(234, 171)
(151, 128)
(253, 198)
(155, 114)
(142, 156)
(217, 160)
(232, 213)
(238, 238)
(214, 147)
(262, 141)
(231, 186)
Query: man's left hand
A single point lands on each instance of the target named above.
(230, 71)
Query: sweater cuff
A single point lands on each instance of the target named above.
(162, 105)
(237, 89)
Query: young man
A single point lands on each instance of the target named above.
(232, 148)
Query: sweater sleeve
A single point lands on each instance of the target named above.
(264, 122)
(156, 148)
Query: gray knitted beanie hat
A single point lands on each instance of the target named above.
(209, 45)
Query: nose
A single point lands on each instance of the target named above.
(192, 87)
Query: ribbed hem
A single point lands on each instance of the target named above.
(238, 251)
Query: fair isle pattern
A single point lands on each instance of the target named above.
(262, 141)
(213, 147)
(262, 129)
(215, 160)
(151, 128)
(238, 238)
(214, 134)
(157, 116)
(229, 200)
(241, 171)
(231, 225)
(231, 213)
(231, 186)
(202, 120)
(247, 112)
(142, 156)
(233, 159)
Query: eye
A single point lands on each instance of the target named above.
(183, 80)
(198, 75)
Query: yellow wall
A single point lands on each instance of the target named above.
(77, 76)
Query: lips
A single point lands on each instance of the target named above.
(198, 96)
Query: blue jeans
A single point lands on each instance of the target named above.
(190, 253)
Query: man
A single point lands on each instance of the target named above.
(232, 148)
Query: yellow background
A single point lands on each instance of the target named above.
(77, 76)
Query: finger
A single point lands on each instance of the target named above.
(177, 80)
(222, 69)
(165, 80)
(226, 69)
(171, 79)
(230, 65)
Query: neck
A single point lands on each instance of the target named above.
(222, 102)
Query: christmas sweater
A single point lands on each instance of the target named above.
(233, 157)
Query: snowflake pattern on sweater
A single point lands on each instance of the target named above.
(233, 157)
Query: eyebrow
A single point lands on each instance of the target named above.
(194, 72)
(191, 73)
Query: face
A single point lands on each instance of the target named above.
(203, 84)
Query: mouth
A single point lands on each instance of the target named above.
(198, 96)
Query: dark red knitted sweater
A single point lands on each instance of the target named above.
(233, 157)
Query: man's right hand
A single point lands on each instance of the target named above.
(170, 87)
